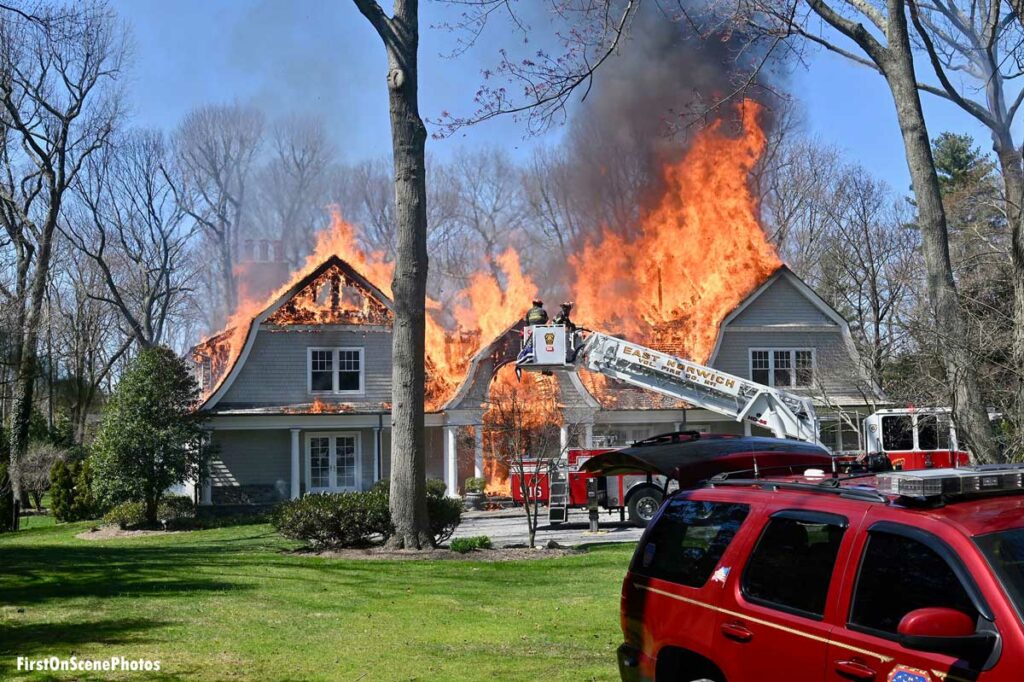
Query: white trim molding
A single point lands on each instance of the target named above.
(792, 350)
(335, 370)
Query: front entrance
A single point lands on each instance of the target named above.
(333, 462)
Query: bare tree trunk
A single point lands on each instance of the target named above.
(25, 376)
(898, 69)
(409, 287)
(1012, 171)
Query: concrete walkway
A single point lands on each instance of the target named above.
(508, 527)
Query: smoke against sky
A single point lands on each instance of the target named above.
(321, 57)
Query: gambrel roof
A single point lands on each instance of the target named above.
(332, 293)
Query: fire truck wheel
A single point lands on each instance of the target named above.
(643, 504)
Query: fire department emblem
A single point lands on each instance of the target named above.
(720, 575)
(902, 673)
(549, 340)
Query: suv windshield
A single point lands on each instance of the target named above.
(1005, 553)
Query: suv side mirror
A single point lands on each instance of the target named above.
(944, 631)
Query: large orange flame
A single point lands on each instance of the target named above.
(698, 252)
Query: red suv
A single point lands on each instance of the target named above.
(908, 576)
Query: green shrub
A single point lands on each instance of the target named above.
(177, 513)
(436, 487)
(335, 520)
(127, 515)
(317, 521)
(151, 436)
(445, 516)
(463, 545)
(474, 485)
(71, 491)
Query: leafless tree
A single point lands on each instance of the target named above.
(58, 105)
(217, 150)
(879, 35)
(864, 264)
(91, 336)
(33, 473)
(128, 222)
(523, 429)
(489, 215)
(293, 186)
(976, 51)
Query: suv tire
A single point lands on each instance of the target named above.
(643, 505)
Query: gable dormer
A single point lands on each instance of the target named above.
(332, 308)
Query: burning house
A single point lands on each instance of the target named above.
(297, 387)
(304, 406)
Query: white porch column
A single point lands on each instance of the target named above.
(376, 454)
(296, 488)
(588, 435)
(206, 492)
(478, 451)
(205, 479)
(677, 427)
(746, 428)
(563, 437)
(451, 464)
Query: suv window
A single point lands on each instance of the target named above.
(688, 539)
(898, 575)
(791, 566)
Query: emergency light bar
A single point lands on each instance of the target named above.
(962, 481)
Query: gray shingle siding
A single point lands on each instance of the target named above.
(263, 457)
(275, 371)
(781, 304)
(835, 369)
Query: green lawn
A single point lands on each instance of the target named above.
(232, 603)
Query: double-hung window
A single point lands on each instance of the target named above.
(782, 367)
(335, 370)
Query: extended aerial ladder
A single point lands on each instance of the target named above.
(562, 348)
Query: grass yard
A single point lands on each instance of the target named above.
(231, 603)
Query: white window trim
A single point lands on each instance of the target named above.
(336, 368)
(771, 350)
(332, 435)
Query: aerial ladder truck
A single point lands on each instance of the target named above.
(561, 348)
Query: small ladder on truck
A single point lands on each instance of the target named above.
(558, 493)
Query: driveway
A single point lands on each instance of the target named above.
(508, 527)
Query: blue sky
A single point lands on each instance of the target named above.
(322, 57)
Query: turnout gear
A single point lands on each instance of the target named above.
(537, 314)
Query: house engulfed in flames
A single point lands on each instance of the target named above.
(301, 403)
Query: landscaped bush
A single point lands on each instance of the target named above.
(436, 487)
(474, 484)
(463, 545)
(71, 490)
(445, 512)
(127, 515)
(445, 516)
(177, 513)
(335, 520)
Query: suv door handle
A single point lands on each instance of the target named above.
(737, 632)
(855, 670)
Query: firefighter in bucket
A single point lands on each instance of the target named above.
(536, 317)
